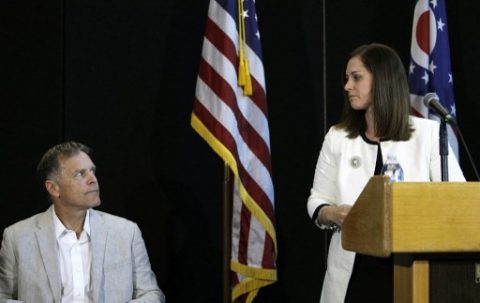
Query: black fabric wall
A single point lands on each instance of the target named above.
(120, 75)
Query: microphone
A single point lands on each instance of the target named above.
(431, 100)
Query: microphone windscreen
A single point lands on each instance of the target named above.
(429, 98)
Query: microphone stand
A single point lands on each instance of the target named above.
(444, 149)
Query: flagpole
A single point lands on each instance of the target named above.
(326, 239)
(226, 234)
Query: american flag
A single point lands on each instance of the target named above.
(430, 69)
(232, 118)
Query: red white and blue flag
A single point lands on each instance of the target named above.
(230, 113)
(430, 69)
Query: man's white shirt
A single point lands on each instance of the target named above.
(75, 260)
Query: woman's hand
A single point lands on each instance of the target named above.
(334, 214)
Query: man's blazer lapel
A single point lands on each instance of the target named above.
(47, 245)
(98, 236)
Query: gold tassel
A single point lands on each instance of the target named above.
(244, 79)
(241, 68)
(247, 88)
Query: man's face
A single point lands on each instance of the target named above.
(76, 184)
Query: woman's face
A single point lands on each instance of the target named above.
(358, 84)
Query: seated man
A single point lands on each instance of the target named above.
(72, 253)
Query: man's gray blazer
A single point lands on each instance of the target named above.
(121, 271)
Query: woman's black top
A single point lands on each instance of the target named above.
(372, 277)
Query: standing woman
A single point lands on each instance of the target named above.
(376, 122)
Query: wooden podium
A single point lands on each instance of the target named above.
(415, 221)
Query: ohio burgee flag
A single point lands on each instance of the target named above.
(430, 69)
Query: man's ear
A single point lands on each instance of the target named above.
(52, 188)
